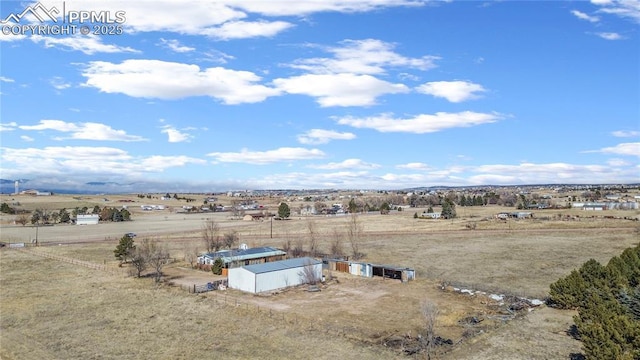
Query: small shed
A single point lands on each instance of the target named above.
(403, 274)
(275, 275)
(87, 219)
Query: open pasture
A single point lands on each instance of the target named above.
(97, 314)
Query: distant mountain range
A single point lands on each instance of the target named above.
(107, 187)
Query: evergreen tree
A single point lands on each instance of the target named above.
(124, 249)
(283, 211)
(217, 266)
(5, 208)
(448, 209)
(462, 201)
(608, 303)
(353, 207)
(125, 214)
(64, 216)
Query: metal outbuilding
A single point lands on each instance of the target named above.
(275, 275)
(91, 219)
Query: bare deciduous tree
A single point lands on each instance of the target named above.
(190, 253)
(157, 256)
(337, 250)
(313, 237)
(308, 274)
(22, 219)
(429, 315)
(236, 209)
(354, 235)
(320, 206)
(298, 248)
(286, 245)
(138, 261)
(230, 239)
(211, 236)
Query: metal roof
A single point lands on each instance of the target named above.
(281, 265)
(246, 254)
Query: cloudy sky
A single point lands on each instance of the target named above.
(380, 94)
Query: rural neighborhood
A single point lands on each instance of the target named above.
(272, 252)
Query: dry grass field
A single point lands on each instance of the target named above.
(56, 310)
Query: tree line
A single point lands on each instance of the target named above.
(64, 216)
(608, 302)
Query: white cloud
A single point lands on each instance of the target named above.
(247, 29)
(175, 135)
(626, 133)
(583, 16)
(618, 163)
(630, 149)
(453, 91)
(626, 8)
(11, 37)
(162, 15)
(26, 138)
(170, 80)
(86, 44)
(424, 123)
(346, 164)
(266, 157)
(8, 126)
(84, 131)
(320, 136)
(609, 35)
(216, 56)
(369, 56)
(174, 45)
(6, 79)
(299, 8)
(550, 173)
(211, 17)
(83, 160)
(340, 89)
(58, 83)
(414, 166)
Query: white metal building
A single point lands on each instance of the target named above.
(274, 275)
(87, 219)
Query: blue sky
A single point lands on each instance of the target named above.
(385, 94)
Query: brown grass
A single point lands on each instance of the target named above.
(51, 309)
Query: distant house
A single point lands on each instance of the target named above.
(34, 192)
(91, 219)
(308, 210)
(242, 257)
(432, 215)
(275, 275)
(594, 206)
(514, 215)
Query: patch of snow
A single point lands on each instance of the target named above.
(496, 297)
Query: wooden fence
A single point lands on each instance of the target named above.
(88, 264)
